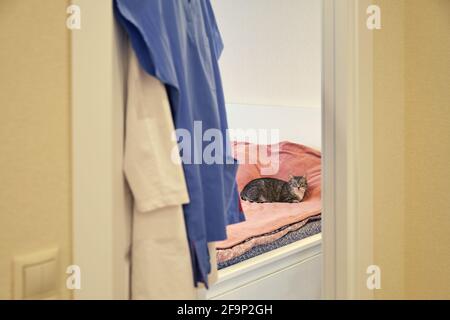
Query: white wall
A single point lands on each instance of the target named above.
(272, 51)
(299, 125)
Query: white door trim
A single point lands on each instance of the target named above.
(101, 206)
(347, 150)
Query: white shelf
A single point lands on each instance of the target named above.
(259, 272)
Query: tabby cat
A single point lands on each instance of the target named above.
(265, 190)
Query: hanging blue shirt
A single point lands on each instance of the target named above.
(178, 42)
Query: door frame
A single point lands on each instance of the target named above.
(347, 148)
(101, 200)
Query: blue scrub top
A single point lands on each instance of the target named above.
(178, 42)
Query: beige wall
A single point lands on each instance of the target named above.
(412, 150)
(389, 135)
(427, 148)
(34, 133)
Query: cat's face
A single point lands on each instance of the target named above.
(298, 185)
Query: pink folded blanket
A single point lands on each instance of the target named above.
(265, 218)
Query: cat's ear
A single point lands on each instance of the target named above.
(291, 176)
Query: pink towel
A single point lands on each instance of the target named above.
(263, 218)
(239, 249)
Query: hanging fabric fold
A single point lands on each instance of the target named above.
(161, 264)
(178, 42)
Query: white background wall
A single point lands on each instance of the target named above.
(272, 51)
(299, 125)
